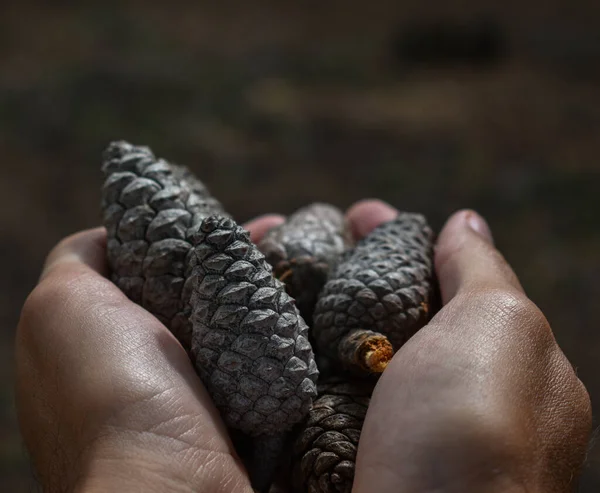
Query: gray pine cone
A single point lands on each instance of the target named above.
(324, 454)
(250, 345)
(380, 292)
(148, 207)
(304, 249)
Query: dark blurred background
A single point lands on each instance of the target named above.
(432, 107)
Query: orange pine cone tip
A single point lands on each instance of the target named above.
(365, 350)
(375, 353)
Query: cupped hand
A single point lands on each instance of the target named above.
(481, 399)
(107, 398)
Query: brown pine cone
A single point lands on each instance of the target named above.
(304, 249)
(324, 454)
(148, 207)
(203, 277)
(249, 344)
(378, 296)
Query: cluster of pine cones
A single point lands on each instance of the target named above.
(289, 335)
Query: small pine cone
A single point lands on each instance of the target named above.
(378, 296)
(148, 206)
(304, 250)
(249, 344)
(324, 454)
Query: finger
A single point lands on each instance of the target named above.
(86, 248)
(465, 257)
(259, 226)
(364, 216)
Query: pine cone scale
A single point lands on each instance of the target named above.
(143, 202)
(270, 352)
(304, 249)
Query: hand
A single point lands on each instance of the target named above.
(482, 399)
(107, 398)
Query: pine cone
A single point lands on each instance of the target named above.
(325, 451)
(378, 296)
(304, 249)
(148, 206)
(249, 344)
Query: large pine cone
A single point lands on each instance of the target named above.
(148, 207)
(380, 290)
(325, 450)
(304, 249)
(203, 277)
(249, 342)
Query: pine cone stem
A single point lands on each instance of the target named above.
(369, 350)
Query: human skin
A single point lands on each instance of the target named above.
(481, 399)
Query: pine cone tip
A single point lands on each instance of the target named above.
(367, 350)
(375, 354)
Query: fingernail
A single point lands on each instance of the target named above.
(479, 225)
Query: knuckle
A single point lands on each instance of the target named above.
(43, 296)
(511, 313)
(573, 390)
(584, 401)
(38, 309)
(49, 300)
(66, 243)
(518, 315)
(527, 312)
(509, 306)
(62, 246)
(75, 242)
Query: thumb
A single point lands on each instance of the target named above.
(465, 257)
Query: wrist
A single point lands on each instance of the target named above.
(149, 471)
